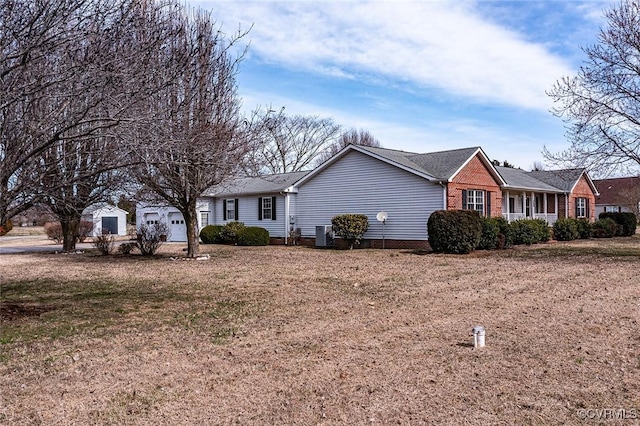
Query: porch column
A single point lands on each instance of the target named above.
(524, 203)
(545, 207)
(508, 212)
(556, 206)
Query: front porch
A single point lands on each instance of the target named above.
(530, 205)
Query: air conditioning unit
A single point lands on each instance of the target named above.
(324, 236)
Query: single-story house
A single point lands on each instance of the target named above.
(107, 219)
(407, 186)
(618, 195)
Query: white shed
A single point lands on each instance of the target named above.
(106, 219)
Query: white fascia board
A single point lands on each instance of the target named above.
(487, 162)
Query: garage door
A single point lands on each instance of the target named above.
(110, 225)
(177, 227)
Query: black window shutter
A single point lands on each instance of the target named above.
(224, 209)
(237, 205)
(464, 199)
(259, 208)
(576, 216)
(273, 208)
(586, 203)
(488, 213)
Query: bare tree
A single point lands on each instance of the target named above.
(288, 143)
(538, 166)
(196, 138)
(350, 137)
(630, 198)
(69, 72)
(601, 104)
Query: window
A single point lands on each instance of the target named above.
(230, 209)
(473, 199)
(267, 208)
(204, 219)
(614, 209)
(582, 207)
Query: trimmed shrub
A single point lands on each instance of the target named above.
(628, 222)
(230, 231)
(350, 227)
(489, 237)
(585, 229)
(253, 236)
(454, 231)
(4, 229)
(542, 229)
(54, 231)
(210, 234)
(505, 237)
(605, 228)
(565, 229)
(530, 231)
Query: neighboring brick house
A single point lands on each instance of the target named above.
(618, 195)
(407, 186)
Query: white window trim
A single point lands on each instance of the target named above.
(472, 201)
(266, 211)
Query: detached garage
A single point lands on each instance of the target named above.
(106, 219)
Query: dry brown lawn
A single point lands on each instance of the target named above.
(291, 335)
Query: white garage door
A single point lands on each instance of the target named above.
(177, 227)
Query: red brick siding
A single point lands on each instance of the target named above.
(582, 190)
(475, 175)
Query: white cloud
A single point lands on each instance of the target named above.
(426, 44)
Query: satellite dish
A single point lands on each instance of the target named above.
(382, 216)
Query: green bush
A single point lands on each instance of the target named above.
(253, 236)
(530, 231)
(565, 229)
(454, 231)
(605, 228)
(230, 231)
(210, 234)
(585, 229)
(505, 237)
(350, 227)
(542, 229)
(490, 235)
(628, 222)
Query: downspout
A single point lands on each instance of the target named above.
(286, 217)
(566, 205)
(444, 195)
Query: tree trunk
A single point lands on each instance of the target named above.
(69, 226)
(193, 245)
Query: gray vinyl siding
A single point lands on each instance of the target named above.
(248, 213)
(358, 183)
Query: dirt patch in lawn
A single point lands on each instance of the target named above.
(282, 335)
(15, 311)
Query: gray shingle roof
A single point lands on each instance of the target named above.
(440, 165)
(520, 179)
(561, 179)
(256, 185)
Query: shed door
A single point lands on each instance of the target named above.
(110, 225)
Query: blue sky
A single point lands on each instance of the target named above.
(420, 76)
